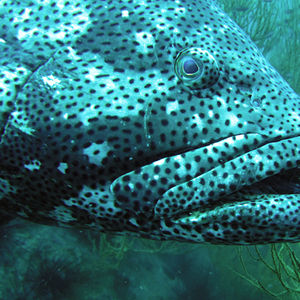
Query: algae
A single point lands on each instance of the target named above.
(277, 269)
(274, 27)
(112, 249)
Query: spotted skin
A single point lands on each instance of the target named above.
(157, 118)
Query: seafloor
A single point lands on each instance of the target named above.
(41, 262)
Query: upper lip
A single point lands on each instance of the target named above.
(287, 182)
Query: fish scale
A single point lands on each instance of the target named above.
(116, 114)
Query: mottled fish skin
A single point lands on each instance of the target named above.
(157, 118)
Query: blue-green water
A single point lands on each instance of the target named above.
(41, 262)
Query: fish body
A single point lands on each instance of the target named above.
(160, 119)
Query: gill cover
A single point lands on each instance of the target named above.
(196, 68)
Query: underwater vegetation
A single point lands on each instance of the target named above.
(280, 266)
(274, 27)
(111, 249)
(258, 18)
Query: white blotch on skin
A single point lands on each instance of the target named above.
(6, 187)
(239, 137)
(62, 167)
(72, 54)
(144, 39)
(295, 115)
(20, 123)
(257, 158)
(21, 18)
(33, 165)
(233, 120)
(96, 153)
(180, 10)
(62, 214)
(89, 112)
(51, 80)
(12, 75)
(171, 106)
(197, 120)
(93, 72)
(159, 162)
(25, 34)
(125, 13)
(88, 202)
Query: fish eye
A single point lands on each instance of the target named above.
(196, 68)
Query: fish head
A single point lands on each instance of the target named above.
(161, 119)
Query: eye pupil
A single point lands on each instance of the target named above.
(190, 66)
(196, 68)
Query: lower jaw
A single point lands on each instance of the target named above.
(259, 219)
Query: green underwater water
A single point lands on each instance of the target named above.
(274, 26)
(41, 262)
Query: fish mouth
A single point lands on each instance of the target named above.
(280, 185)
(259, 205)
(249, 172)
(236, 169)
(263, 212)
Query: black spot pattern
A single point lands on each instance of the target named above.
(103, 127)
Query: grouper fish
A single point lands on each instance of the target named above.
(159, 119)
